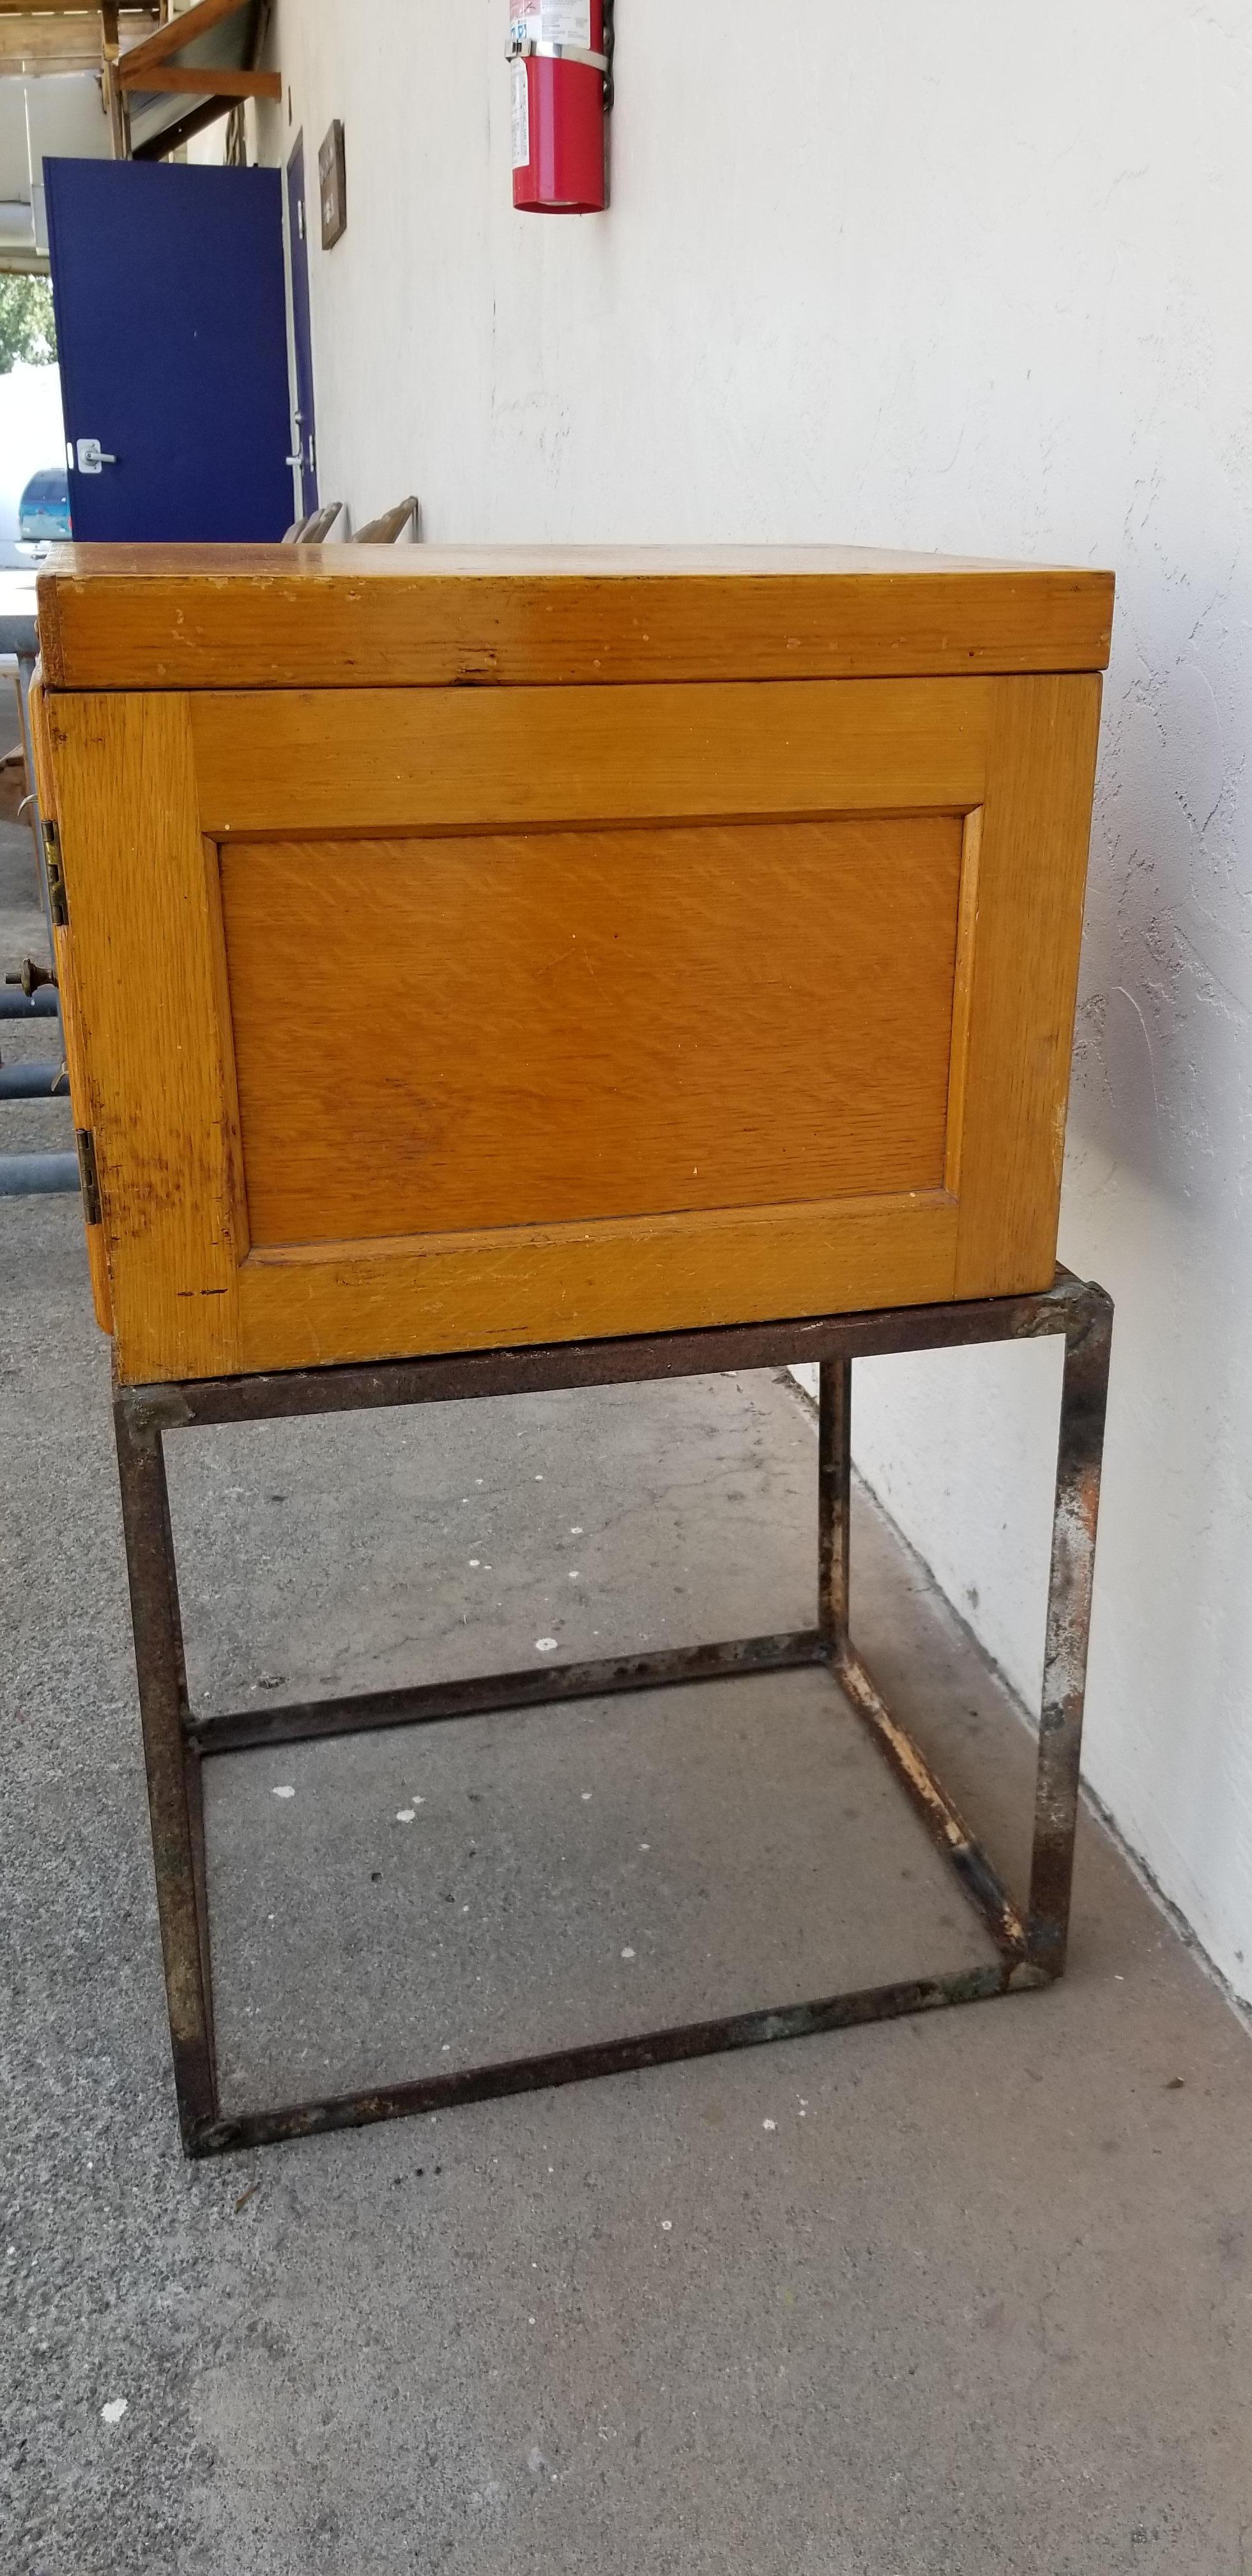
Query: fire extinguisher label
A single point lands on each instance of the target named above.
(521, 117)
(552, 22)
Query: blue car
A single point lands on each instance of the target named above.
(43, 514)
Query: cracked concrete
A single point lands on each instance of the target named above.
(940, 2298)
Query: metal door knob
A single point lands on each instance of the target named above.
(92, 457)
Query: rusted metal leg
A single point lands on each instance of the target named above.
(673, 2047)
(1029, 1953)
(943, 1822)
(834, 1501)
(436, 1703)
(173, 1770)
(1084, 1402)
(193, 1782)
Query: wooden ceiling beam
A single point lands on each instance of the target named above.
(38, 42)
(206, 80)
(69, 25)
(181, 31)
(47, 42)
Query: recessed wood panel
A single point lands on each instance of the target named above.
(438, 1035)
(389, 904)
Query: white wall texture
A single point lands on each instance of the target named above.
(975, 279)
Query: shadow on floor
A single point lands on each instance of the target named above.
(970, 2293)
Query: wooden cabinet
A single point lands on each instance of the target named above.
(474, 949)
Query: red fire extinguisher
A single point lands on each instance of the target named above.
(562, 59)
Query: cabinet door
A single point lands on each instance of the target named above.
(417, 1020)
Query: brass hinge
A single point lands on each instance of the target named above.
(89, 1174)
(58, 901)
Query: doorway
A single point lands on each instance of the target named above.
(304, 417)
(172, 334)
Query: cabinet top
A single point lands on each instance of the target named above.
(345, 616)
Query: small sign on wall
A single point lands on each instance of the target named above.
(333, 175)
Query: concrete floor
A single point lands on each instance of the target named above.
(972, 2293)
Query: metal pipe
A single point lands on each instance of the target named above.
(34, 1082)
(173, 1771)
(25, 1176)
(237, 2130)
(940, 1817)
(834, 1491)
(1084, 1405)
(434, 1703)
(16, 1005)
(461, 1377)
(31, 976)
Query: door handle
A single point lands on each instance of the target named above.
(92, 458)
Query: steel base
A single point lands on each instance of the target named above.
(1030, 1944)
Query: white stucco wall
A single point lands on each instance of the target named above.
(971, 278)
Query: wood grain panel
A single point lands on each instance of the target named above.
(1032, 872)
(790, 927)
(267, 617)
(142, 892)
(382, 760)
(313, 1308)
(588, 1025)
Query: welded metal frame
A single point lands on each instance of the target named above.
(1030, 1943)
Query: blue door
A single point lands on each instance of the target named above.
(172, 333)
(302, 328)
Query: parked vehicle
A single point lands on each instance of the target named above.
(43, 515)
